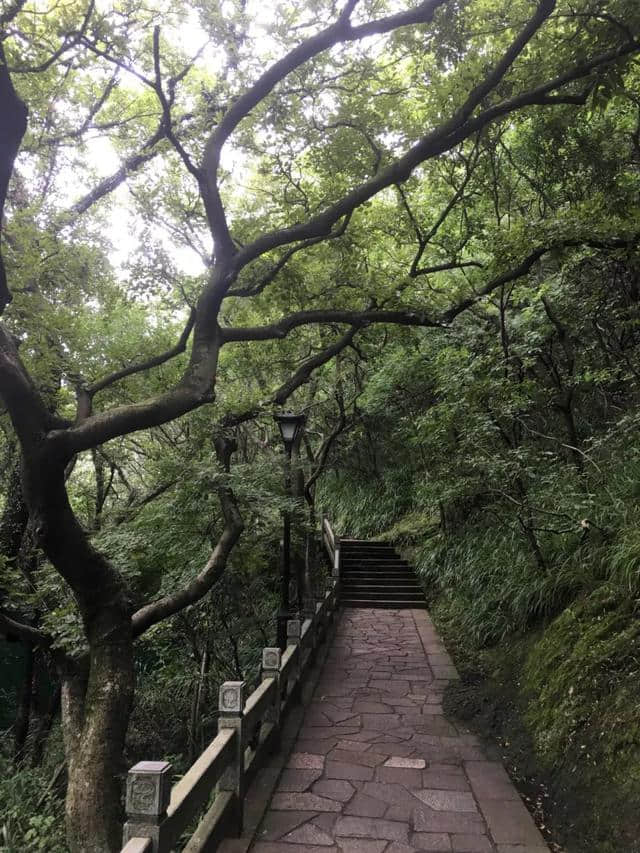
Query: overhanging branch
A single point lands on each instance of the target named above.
(281, 328)
(269, 277)
(173, 603)
(336, 33)
(524, 267)
(301, 375)
(154, 361)
(443, 138)
(9, 627)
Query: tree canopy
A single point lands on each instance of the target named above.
(413, 220)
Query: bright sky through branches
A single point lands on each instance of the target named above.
(182, 34)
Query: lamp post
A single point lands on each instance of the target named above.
(290, 426)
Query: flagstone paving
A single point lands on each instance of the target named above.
(378, 768)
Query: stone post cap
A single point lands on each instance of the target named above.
(271, 658)
(231, 697)
(148, 788)
(150, 767)
(294, 629)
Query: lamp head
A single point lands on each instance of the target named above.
(290, 427)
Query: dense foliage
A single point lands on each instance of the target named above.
(417, 224)
(504, 454)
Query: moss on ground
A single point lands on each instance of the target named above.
(563, 703)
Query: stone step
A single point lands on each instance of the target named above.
(370, 553)
(349, 589)
(373, 574)
(384, 595)
(356, 568)
(377, 585)
(376, 549)
(388, 603)
(391, 557)
(381, 594)
(377, 575)
(374, 567)
(396, 572)
(377, 570)
(359, 558)
(372, 561)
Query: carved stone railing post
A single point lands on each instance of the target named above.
(148, 794)
(230, 716)
(148, 783)
(271, 661)
(335, 574)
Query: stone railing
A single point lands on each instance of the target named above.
(158, 815)
(331, 543)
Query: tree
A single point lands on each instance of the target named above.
(313, 112)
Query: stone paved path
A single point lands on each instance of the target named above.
(377, 768)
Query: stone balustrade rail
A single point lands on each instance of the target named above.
(159, 814)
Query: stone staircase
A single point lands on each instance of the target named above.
(372, 574)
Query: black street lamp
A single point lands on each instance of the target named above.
(291, 426)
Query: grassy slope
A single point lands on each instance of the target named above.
(551, 671)
(550, 660)
(563, 702)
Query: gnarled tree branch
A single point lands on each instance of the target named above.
(269, 277)
(303, 373)
(281, 328)
(213, 569)
(340, 31)
(10, 628)
(154, 361)
(441, 139)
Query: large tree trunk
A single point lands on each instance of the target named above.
(97, 692)
(95, 723)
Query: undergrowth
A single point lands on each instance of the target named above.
(32, 802)
(554, 634)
